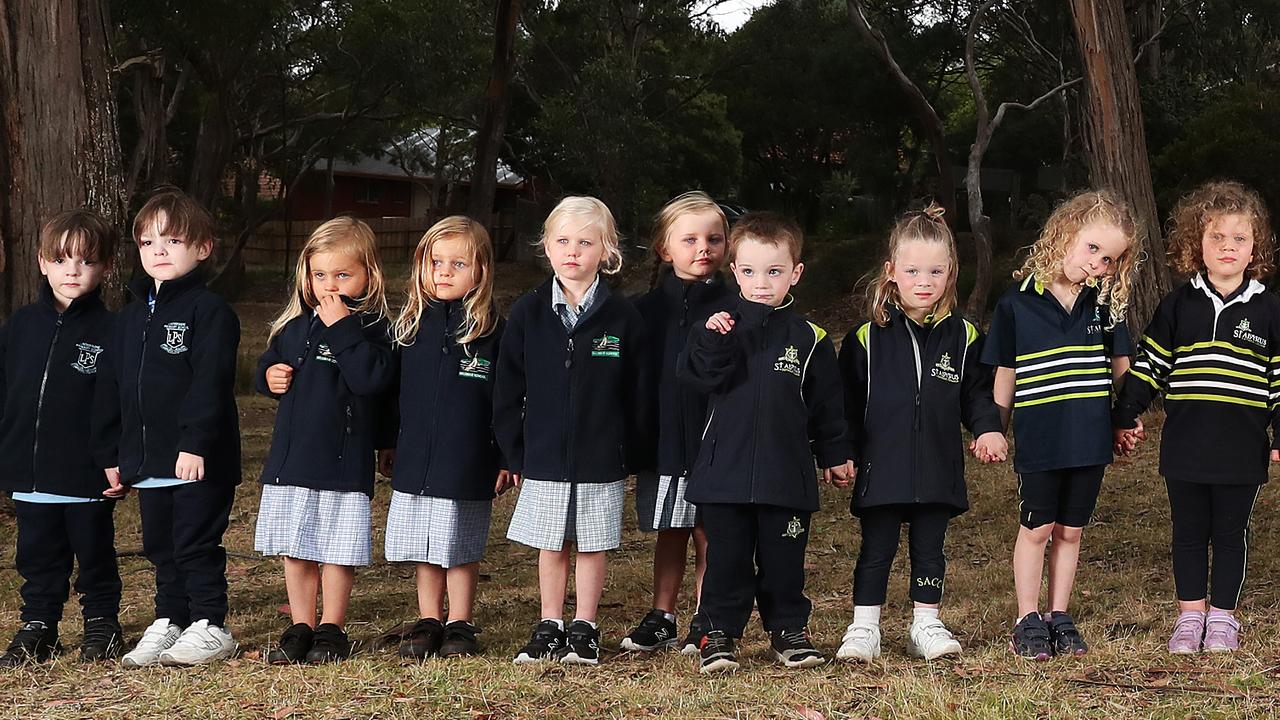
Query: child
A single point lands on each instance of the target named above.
(775, 404)
(328, 359)
(1211, 349)
(447, 468)
(49, 353)
(166, 423)
(1058, 339)
(690, 234)
(570, 406)
(911, 378)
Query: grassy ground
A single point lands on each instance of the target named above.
(1124, 606)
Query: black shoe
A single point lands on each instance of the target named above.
(329, 644)
(692, 641)
(460, 639)
(34, 642)
(423, 641)
(547, 642)
(716, 650)
(655, 632)
(103, 640)
(295, 643)
(1067, 639)
(794, 649)
(583, 644)
(1031, 638)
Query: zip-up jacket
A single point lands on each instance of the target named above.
(907, 389)
(169, 385)
(669, 311)
(444, 443)
(48, 368)
(776, 403)
(323, 437)
(1216, 360)
(572, 406)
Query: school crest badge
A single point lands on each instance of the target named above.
(943, 369)
(324, 354)
(794, 528)
(87, 360)
(175, 338)
(606, 346)
(788, 361)
(1244, 331)
(476, 368)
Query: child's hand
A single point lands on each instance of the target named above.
(189, 467)
(721, 322)
(279, 377)
(386, 461)
(1127, 439)
(1275, 456)
(990, 447)
(332, 309)
(505, 482)
(841, 475)
(116, 489)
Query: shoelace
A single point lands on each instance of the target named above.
(794, 637)
(715, 642)
(98, 632)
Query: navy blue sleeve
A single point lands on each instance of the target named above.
(509, 393)
(271, 356)
(104, 419)
(828, 430)
(1000, 348)
(363, 352)
(213, 373)
(854, 362)
(386, 419)
(639, 397)
(1117, 340)
(978, 410)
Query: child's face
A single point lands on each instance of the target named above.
(575, 250)
(166, 257)
(1227, 245)
(765, 272)
(453, 269)
(337, 273)
(921, 270)
(695, 245)
(71, 277)
(1094, 252)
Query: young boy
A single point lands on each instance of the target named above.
(49, 356)
(754, 481)
(167, 425)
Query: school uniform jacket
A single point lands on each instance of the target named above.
(573, 406)
(48, 368)
(1216, 360)
(323, 437)
(670, 310)
(776, 403)
(169, 385)
(442, 422)
(907, 389)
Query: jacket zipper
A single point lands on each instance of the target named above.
(915, 413)
(44, 381)
(435, 403)
(755, 412)
(142, 361)
(566, 442)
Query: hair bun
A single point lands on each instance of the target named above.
(934, 212)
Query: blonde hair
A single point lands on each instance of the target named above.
(690, 203)
(343, 235)
(766, 228)
(479, 316)
(925, 226)
(1198, 208)
(1073, 215)
(593, 213)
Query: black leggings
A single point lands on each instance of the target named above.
(1206, 514)
(881, 527)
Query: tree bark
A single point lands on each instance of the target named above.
(60, 146)
(493, 122)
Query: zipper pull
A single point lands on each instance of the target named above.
(348, 419)
(916, 421)
(568, 360)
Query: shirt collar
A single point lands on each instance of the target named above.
(1247, 289)
(558, 297)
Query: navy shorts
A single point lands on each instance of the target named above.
(1066, 496)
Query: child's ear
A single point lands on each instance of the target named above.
(44, 270)
(888, 271)
(795, 274)
(663, 255)
(204, 250)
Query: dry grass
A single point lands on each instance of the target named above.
(1124, 606)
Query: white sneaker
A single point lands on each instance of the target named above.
(861, 643)
(158, 637)
(200, 643)
(930, 639)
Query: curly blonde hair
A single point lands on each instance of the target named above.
(1195, 210)
(926, 226)
(1076, 213)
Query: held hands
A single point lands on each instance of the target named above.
(386, 461)
(841, 475)
(189, 467)
(116, 489)
(1127, 439)
(721, 322)
(990, 447)
(331, 309)
(279, 378)
(506, 480)
(1275, 456)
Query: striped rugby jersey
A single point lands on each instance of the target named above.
(1215, 361)
(1062, 362)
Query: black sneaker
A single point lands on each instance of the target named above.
(692, 641)
(1067, 639)
(103, 640)
(547, 642)
(1031, 638)
(716, 650)
(34, 642)
(583, 644)
(423, 641)
(460, 639)
(655, 632)
(329, 644)
(295, 643)
(794, 649)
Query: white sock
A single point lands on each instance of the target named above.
(866, 615)
(923, 613)
(559, 623)
(670, 617)
(593, 625)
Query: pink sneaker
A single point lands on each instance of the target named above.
(1221, 632)
(1187, 633)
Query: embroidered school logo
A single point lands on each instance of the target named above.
(606, 346)
(1245, 332)
(476, 368)
(794, 528)
(1095, 325)
(789, 361)
(175, 338)
(324, 354)
(87, 362)
(944, 371)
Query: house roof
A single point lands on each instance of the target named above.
(411, 157)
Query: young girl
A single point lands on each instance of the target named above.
(911, 378)
(328, 359)
(1212, 350)
(570, 408)
(690, 234)
(1057, 340)
(446, 462)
